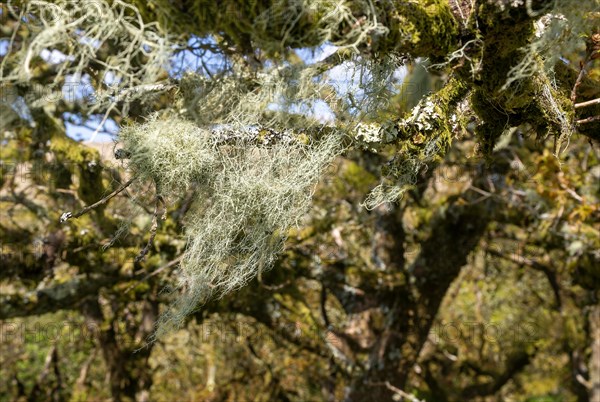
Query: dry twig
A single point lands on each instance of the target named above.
(68, 215)
(159, 200)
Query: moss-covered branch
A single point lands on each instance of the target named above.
(421, 28)
(421, 137)
(513, 87)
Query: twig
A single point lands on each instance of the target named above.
(588, 120)
(80, 383)
(580, 379)
(587, 103)
(57, 374)
(68, 215)
(484, 194)
(480, 191)
(162, 268)
(275, 287)
(323, 307)
(159, 200)
(271, 287)
(403, 394)
(571, 192)
(144, 88)
(578, 81)
(93, 136)
(51, 360)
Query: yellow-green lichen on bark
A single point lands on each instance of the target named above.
(424, 28)
(501, 51)
(505, 96)
(422, 137)
(86, 164)
(70, 158)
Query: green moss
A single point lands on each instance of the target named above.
(87, 162)
(498, 109)
(425, 28)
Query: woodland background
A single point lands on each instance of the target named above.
(480, 283)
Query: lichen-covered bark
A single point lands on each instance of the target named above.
(505, 31)
(432, 120)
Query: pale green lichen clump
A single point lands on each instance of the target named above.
(247, 197)
(172, 153)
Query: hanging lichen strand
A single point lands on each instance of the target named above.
(74, 37)
(247, 196)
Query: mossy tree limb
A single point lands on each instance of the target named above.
(424, 28)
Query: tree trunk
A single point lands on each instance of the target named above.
(129, 375)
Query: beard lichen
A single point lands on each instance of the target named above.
(247, 196)
(73, 37)
(558, 32)
(421, 28)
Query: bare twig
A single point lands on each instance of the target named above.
(580, 379)
(547, 270)
(50, 363)
(275, 287)
(578, 82)
(571, 192)
(323, 307)
(85, 369)
(403, 394)
(68, 215)
(159, 200)
(587, 103)
(162, 268)
(271, 287)
(99, 128)
(588, 120)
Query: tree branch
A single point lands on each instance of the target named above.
(587, 103)
(68, 215)
(64, 296)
